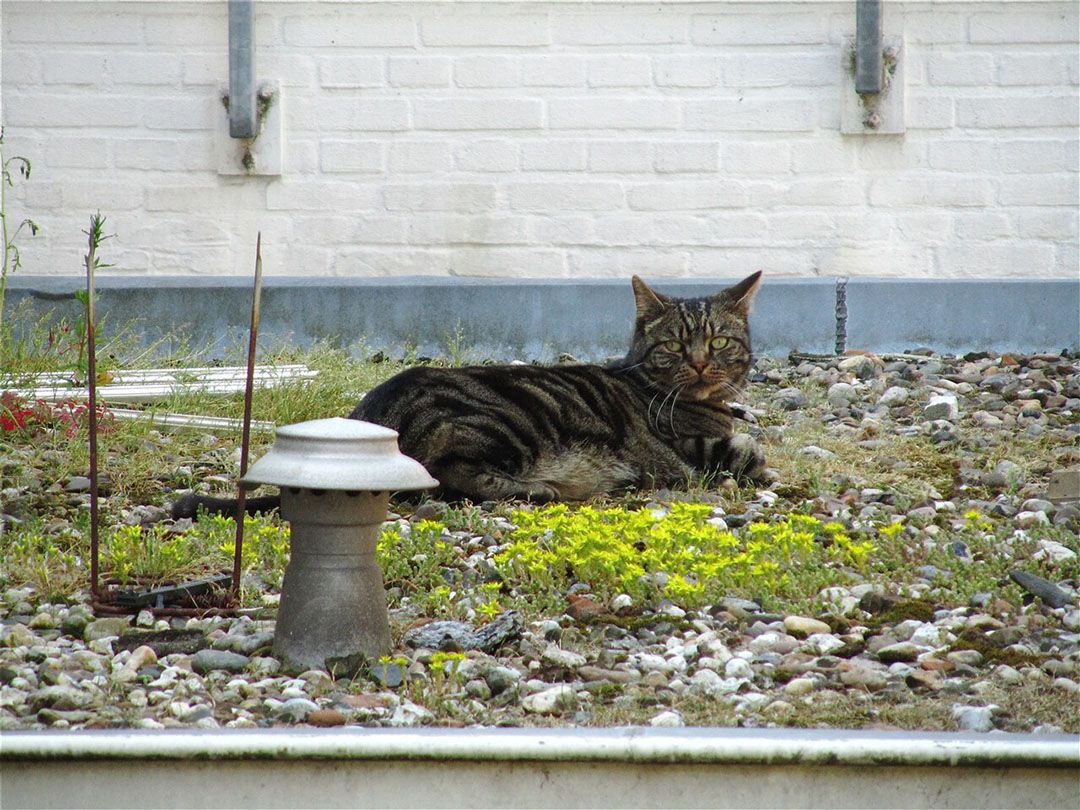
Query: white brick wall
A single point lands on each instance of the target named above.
(550, 139)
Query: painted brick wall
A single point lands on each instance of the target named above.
(549, 139)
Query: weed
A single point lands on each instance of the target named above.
(9, 167)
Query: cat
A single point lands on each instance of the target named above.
(660, 416)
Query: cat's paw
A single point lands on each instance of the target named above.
(747, 459)
(186, 506)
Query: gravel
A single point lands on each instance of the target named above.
(729, 663)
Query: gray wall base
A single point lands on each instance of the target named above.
(589, 319)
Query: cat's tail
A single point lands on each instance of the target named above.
(188, 506)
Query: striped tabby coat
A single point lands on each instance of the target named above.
(570, 432)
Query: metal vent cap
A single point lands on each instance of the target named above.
(337, 454)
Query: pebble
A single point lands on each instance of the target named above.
(973, 718)
(207, 661)
(556, 699)
(941, 406)
(802, 627)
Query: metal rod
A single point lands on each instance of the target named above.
(245, 441)
(242, 118)
(868, 60)
(91, 380)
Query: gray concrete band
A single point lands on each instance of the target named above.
(590, 319)
(639, 767)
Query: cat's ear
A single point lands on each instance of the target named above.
(650, 304)
(740, 297)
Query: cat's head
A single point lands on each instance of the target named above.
(698, 345)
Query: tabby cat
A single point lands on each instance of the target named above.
(654, 418)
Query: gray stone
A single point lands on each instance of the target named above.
(893, 396)
(841, 394)
(295, 710)
(77, 483)
(904, 651)
(974, 718)
(789, 399)
(103, 628)
(1050, 593)
(501, 678)
(941, 406)
(206, 661)
(550, 701)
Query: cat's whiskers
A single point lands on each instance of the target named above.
(671, 415)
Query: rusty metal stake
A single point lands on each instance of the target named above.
(245, 441)
(94, 234)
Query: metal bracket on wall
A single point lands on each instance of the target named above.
(242, 118)
(871, 76)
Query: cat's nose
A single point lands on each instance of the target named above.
(698, 366)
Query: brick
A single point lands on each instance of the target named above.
(925, 227)
(620, 156)
(351, 71)
(623, 263)
(725, 228)
(621, 27)
(751, 115)
(810, 192)
(742, 27)
(457, 197)
(105, 194)
(1047, 224)
(63, 151)
(815, 156)
(181, 113)
(553, 156)
(686, 71)
(929, 112)
(1037, 157)
(320, 195)
(901, 154)
(934, 190)
(502, 30)
(554, 229)
(418, 71)
(686, 196)
(73, 68)
(144, 69)
(350, 112)
(350, 29)
(552, 71)
(1024, 24)
(1032, 69)
(983, 225)
(162, 154)
(620, 70)
(211, 32)
(802, 226)
(1066, 260)
(890, 260)
(961, 156)
(455, 229)
(555, 196)
(780, 69)
(624, 229)
(487, 71)
(1021, 111)
(487, 156)
(32, 23)
(961, 68)
(981, 259)
(289, 70)
(1040, 189)
(68, 110)
(476, 113)
(420, 157)
(21, 66)
(351, 156)
(516, 263)
(765, 157)
(374, 261)
(933, 27)
(613, 113)
(301, 156)
(196, 70)
(683, 156)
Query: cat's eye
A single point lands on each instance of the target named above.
(717, 343)
(672, 345)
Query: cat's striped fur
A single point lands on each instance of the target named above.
(656, 417)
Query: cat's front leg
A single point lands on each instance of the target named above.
(737, 454)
